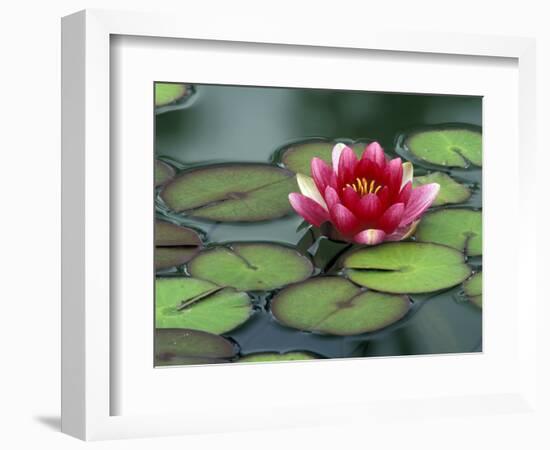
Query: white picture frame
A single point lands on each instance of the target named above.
(89, 181)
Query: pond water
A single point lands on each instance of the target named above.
(220, 124)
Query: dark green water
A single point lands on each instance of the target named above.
(248, 124)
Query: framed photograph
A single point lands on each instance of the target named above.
(248, 207)
(276, 243)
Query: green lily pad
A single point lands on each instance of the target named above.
(406, 267)
(251, 266)
(457, 228)
(333, 305)
(297, 157)
(183, 347)
(166, 93)
(450, 192)
(232, 192)
(166, 257)
(446, 147)
(175, 245)
(199, 305)
(473, 289)
(272, 356)
(163, 173)
(171, 235)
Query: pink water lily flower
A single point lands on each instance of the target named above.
(367, 201)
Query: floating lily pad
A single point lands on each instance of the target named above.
(166, 93)
(175, 245)
(199, 305)
(297, 157)
(407, 267)
(171, 235)
(268, 357)
(457, 228)
(333, 305)
(166, 257)
(450, 191)
(163, 173)
(251, 266)
(446, 147)
(232, 192)
(473, 289)
(175, 347)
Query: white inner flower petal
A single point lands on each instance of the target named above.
(309, 189)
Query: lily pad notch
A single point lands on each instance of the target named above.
(174, 245)
(251, 266)
(334, 305)
(231, 192)
(406, 267)
(183, 302)
(446, 146)
(459, 228)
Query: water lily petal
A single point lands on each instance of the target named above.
(309, 189)
(394, 175)
(370, 237)
(336, 152)
(351, 199)
(368, 169)
(309, 209)
(344, 220)
(391, 217)
(370, 207)
(331, 197)
(375, 153)
(347, 165)
(421, 199)
(403, 232)
(408, 173)
(384, 197)
(322, 174)
(405, 193)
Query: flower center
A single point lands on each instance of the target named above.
(363, 186)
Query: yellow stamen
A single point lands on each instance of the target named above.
(371, 187)
(359, 185)
(363, 187)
